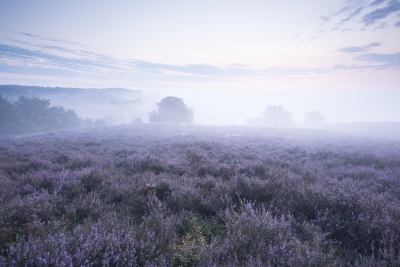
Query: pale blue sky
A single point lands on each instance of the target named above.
(203, 45)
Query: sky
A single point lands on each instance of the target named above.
(322, 50)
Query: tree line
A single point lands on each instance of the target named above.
(173, 110)
(33, 115)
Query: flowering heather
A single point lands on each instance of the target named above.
(158, 195)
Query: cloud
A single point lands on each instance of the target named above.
(353, 14)
(373, 60)
(392, 7)
(17, 56)
(31, 56)
(397, 24)
(383, 25)
(63, 60)
(360, 11)
(196, 69)
(57, 51)
(347, 12)
(348, 8)
(324, 18)
(45, 57)
(52, 48)
(52, 40)
(358, 49)
(384, 60)
(376, 2)
(14, 59)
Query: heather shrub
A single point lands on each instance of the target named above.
(103, 243)
(91, 179)
(85, 207)
(21, 218)
(71, 190)
(24, 165)
(163, 190)
(79, 163)
(61, 159)
(152, 195)
(8, 188)
(255, 235)
(156, 236)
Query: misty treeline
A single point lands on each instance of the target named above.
(33, 114)
(278, 116)
(173, 110)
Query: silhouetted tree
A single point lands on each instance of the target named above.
(59, 118)
(30, 115)
(172, 110)
(314, 118)
(276, 116)
(8, 116)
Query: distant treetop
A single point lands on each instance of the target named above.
(277, 116)
(172, 110)
(314, 118)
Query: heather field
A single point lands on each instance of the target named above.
(158, 195)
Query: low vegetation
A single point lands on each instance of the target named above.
(159, 195)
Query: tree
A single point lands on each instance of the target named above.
(276, 116)
(172, 110)
(29, 115)
(313, 118)
(59, 118)
(137, 121)
(32, 113)
(8, 116)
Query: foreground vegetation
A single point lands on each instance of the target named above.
(154, 195)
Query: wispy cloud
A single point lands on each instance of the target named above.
(373, 60)
(49, 60)
(195, 69)
(349, 7)
(383, 60)
(358, 49)
(52, 40)
(377, 14)
(58, 59)
(360, 11)
(377, 2)
(352, 15)
(346, 12)
(15, 59)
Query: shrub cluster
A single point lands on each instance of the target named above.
(157, 195)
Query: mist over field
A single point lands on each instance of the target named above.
(200, 133)
(361, 113)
